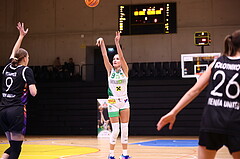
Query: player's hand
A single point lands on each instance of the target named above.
(166, 119)
(117, 37)
(99, 41)
(22, 31)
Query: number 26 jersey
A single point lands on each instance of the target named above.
(222, 112)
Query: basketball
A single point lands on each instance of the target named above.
(92, 3)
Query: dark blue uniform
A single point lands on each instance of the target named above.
(15, 82)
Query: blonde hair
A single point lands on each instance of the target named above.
(18, 56)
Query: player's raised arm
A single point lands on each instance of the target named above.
(101, 44)
(22, 33)
(120, 53)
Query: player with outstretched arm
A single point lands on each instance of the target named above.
(17, 82)
(220, 124)
(118, 108)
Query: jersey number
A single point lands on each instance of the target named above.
(215, 92)
(9, 82)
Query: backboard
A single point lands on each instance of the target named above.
(193, 65)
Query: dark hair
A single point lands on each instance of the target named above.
(18, 56)
(232, 43)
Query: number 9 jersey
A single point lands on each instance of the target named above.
(15, 82)
(117, 83)
(222, 112)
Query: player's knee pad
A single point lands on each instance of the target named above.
(114, 134)
(124, 133)
(8, 151)
(16, 147)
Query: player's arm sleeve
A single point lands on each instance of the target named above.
(5, 68)
(29, 76)
(29, 79)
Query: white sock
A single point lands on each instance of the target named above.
(111, 152)
(125, 152)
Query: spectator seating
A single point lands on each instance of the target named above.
(137, 71)
(150, 70)
(158, 69)
(143, 69)
(155, 70)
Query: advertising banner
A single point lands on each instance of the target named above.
(104, 126)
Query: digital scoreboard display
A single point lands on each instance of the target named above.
(147, 19)
(202, 38)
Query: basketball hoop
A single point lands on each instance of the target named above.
(194, 65)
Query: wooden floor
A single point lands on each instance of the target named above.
(136, 151)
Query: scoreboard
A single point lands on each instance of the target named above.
(147, 19)
(202, 38)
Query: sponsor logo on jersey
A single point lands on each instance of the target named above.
(118, 88)
(227, 66)
(117, 81)
(8, 95)
(11, 74)
(223, 103)
(111, 101)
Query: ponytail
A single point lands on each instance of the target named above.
(232, 44)
(14, 61)
(18, 57)
(228, 51)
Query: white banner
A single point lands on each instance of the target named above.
(104, 126)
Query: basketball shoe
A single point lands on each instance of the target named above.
(124, 157)
(111, 157)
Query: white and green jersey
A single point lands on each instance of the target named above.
(117, 84)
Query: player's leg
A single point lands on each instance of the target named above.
(5, 127)
(113, 113)
(5, 156)
(16, 147)
(8, 150)
(209, 144)
(113, 137)
(233, 146)
(204, 153)
(17, 121)
(15, 141)
(124, 118)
